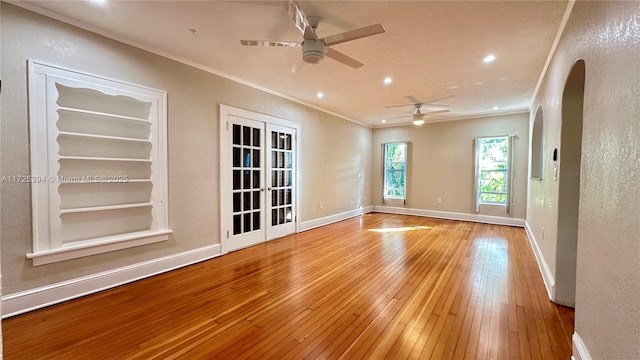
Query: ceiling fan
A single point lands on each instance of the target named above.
(315, 49)
(418, 116)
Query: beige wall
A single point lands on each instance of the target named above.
(336, 165)
(442, 163)
(1, 342)
(607, 36)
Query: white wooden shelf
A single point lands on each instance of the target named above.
(95, 135)
(102, 137)
(104, 208)
(135, 181)
(107, 181)
(92, 158)
(102, 114)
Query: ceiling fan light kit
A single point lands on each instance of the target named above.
(313, 52)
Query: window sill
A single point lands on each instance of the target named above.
(98, 246)
(492, 204)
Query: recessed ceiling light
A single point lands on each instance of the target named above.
(488, 59)
(387, 80)
(495, 108)
(98, 1)
(320, 95)
(384, 121)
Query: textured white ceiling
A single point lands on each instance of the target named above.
(430, 49)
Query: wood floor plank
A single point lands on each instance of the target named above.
(379, 286)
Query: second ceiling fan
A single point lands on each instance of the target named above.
(315, 49)
(418, 116)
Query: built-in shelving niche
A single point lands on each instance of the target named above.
(98, 164)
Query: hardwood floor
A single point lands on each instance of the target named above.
(376, 286)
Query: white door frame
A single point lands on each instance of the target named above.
(225, 202)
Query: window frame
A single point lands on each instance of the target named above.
(480, 171)
(386, 188)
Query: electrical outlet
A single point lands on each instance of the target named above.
(439, 200)
(321, 205)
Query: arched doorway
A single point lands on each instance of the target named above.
(569, 185)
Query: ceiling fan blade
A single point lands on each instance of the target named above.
(435, 112)
(400, 105)
(296, 65)
(299, 19)
(340, 57)
(354, 34)
(399, 117)
(412, 99)
(269, 43)
(428, 103)
(421, 114)
(436, 105)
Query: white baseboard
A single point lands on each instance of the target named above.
(311, 224)
(498, 220)
(580, 351)
(24, 301)
(547, 276)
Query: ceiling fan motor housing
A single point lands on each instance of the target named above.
(313, 51)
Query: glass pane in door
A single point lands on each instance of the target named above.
(282, 186)
(246, 179)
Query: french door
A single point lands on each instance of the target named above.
(258, 179)
(247, 148)
(280, 188)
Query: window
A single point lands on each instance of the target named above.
(395, 171)
(98, 164)
(492, 183)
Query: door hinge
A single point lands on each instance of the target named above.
(227, 234)
(227, 125)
